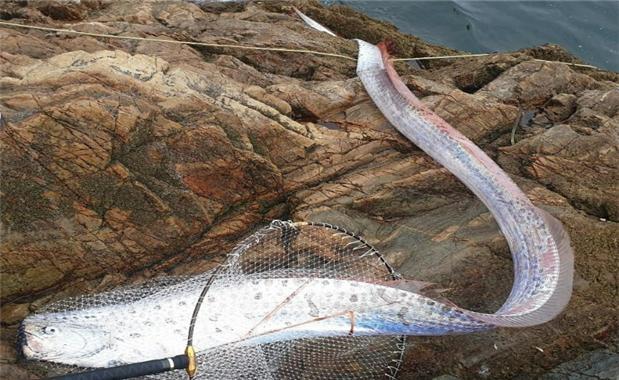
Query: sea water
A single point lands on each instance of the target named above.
(588, 29)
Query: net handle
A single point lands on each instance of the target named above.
(126, 371)
(190, 353)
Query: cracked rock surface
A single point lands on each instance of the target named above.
(126, 160)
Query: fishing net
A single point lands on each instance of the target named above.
(282, 250)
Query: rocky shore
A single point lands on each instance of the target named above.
(123, 160)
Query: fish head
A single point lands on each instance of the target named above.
(57, 337)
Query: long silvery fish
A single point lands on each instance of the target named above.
(541, 251)
(257, 311)
(250, 312)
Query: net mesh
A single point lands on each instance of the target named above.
(279, 250)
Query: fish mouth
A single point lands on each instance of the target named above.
(31, 345)
(26, 343)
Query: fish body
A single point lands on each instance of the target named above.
(250, 312)
(541, 251)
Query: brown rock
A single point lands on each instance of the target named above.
(10, 371)
(14, 313)
(7, 354)
(582, 168)
(557, 109)
(261, 95)
(69, 11)
(470, 75)
(533, 83)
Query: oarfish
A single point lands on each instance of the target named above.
(541, 251)
(250, 312)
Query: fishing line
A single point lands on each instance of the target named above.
(263, 48)
(486, 55)
(195, 43)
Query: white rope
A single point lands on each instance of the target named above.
(485, 55)
(262, 48)
(209, 44)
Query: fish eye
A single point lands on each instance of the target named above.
(50, 330)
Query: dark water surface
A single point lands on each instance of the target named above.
(588, 29)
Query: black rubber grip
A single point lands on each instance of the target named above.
(126, 371)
